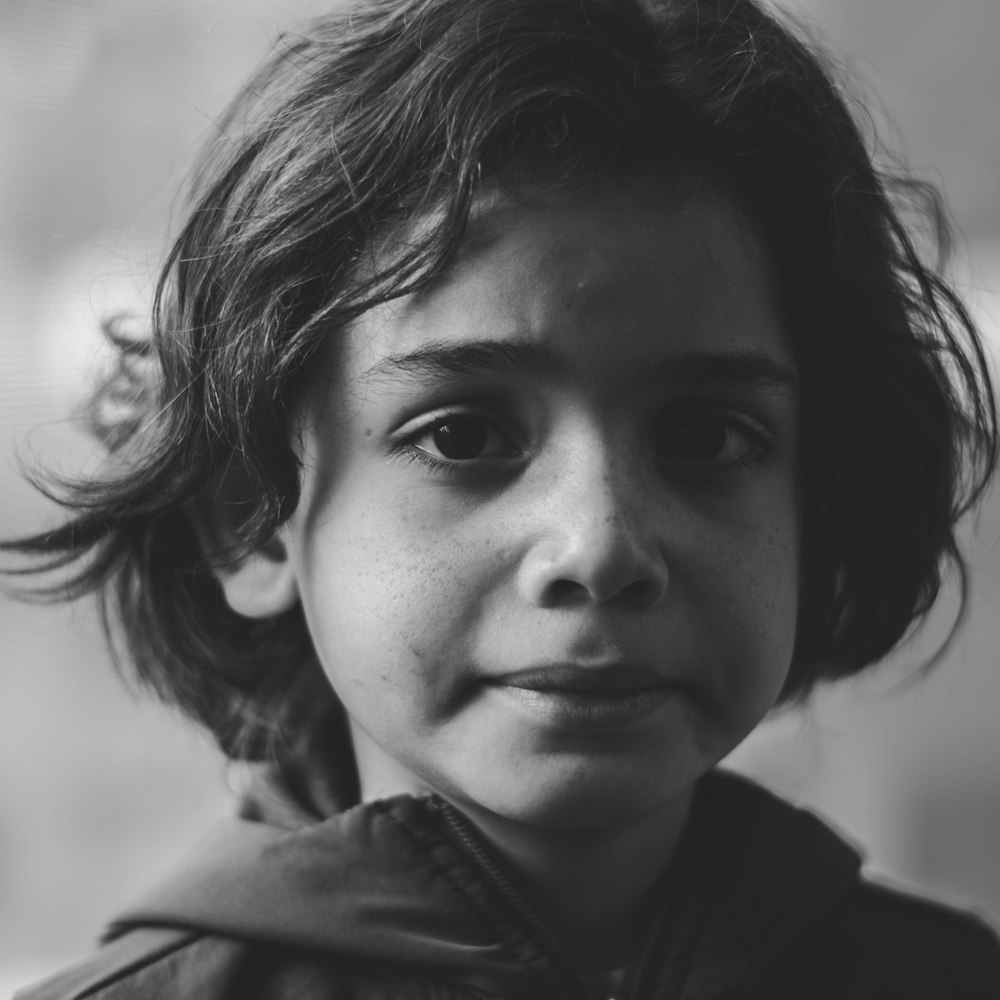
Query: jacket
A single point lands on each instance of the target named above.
(398, 899)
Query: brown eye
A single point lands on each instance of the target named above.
(461, 442)
(459, 438)
(701, 440)
(710, 438)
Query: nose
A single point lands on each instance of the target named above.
(599, 541)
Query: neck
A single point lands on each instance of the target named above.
(592, 887)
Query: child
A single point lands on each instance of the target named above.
(539, 392)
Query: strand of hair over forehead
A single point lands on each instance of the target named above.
(454, 155)
(204, 400)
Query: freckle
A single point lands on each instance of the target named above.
(368, 432)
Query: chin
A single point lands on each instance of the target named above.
(587, 802)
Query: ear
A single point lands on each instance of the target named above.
(260, 584)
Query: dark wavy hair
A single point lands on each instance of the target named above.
(371, 117)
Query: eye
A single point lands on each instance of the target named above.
(462, 438)
(711, 438)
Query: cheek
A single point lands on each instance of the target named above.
(768, 582)
(391, 606)
(774, 593)
(753, 608)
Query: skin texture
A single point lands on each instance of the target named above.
(621, 499)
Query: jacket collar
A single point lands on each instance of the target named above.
(384, 881)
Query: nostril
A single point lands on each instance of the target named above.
(636, 594)
(645, 592)
(639, 594)
(572, 565)
(567, 591)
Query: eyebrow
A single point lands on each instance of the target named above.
(749, 368)
(752, 369)
(480, 357)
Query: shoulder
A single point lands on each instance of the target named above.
(878, 941)
(151, 957)
(158, 963)
(893, 920)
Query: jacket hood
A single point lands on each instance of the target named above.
(386, 881)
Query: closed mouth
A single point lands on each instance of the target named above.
(607, 680)
(571, 699)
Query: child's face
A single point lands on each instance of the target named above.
(548, 542)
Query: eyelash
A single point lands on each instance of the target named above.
(760, 443)
(409, 449)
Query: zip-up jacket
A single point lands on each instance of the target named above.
(401, 899)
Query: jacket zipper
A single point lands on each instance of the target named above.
(642, 975)
(543, 938)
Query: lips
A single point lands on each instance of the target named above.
(610, 679)
(587, 700)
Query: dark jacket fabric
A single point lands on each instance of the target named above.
(400, 899)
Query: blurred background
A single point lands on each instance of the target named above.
(102, 105)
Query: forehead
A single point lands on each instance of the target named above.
(618, 271)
